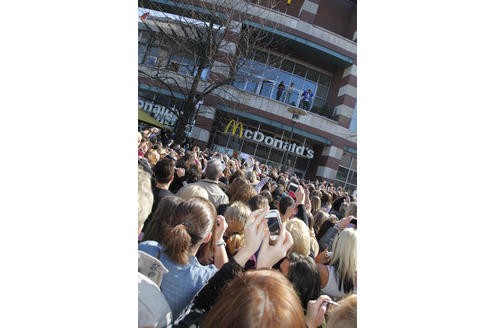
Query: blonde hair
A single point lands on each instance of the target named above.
(314, 246)
(153, 156)
(315, 204)
(145, 196)
(344, 258)
(236, 216)
(344, 315)
(301, 236)
(192, 190)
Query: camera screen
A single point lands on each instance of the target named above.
(273, 224)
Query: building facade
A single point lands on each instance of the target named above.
(319, 53)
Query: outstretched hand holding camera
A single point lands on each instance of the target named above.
(269, 255)
(253, 235)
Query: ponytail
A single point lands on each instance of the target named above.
(234, 243)
(177, 242)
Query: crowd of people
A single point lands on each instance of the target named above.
(207, 256)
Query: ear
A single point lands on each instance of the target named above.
(207, 238)
(284, 267)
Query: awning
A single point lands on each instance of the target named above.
(147, 118)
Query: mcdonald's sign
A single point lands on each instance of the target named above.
(235, 126)
(270, 141)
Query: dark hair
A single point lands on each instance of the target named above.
(222, 208)
(257, 202)
(305, 277)
(164, 170)
(192, 222)
(284, 204)
(161, 217)
(192, 174)
(224, 180)
(326, 199)
(267, 195)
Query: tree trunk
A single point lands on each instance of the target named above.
(189, 109)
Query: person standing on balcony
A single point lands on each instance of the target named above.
(307, 97)
(290, 91)
(280, 90)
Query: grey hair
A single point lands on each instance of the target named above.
(213, 169)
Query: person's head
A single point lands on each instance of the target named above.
(192, 190)
(284, 204)
(164, 170)
(343, 315)
(320, 216)
(344, 255)
(152, 156)
(236, 174)
(145, 196)
(236, 216)
(192, 174)
(300, 234)
(351, 210)
(251, 177)
(315, 203)
(317, 193)
(140, 137)
(257, 299)
(161, 218)
(191, 226)
(303, 273)
(240, 190)
(343, 207)
(258, 201)
(267, 195)
(326, 199)
(213, 169)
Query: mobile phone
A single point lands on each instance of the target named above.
(293, 187)
(274, 222)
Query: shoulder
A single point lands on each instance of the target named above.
(149, 245)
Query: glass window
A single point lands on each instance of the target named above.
(261, 57)
(262, 151)
(235, 142)
(298, 83)
(300, 70)
(312, 75)
(342, 173)
(353, 178)
(324, 79)
(276, 155)
(266, 88)
(248, 147)
(309, 85)
(274, 61)
(322, 92)
(287, 66)
(301, 163)
(270, 73)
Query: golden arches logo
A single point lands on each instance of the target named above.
(235, 126)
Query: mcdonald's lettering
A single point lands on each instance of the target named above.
(270, 141)
(235, 126)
